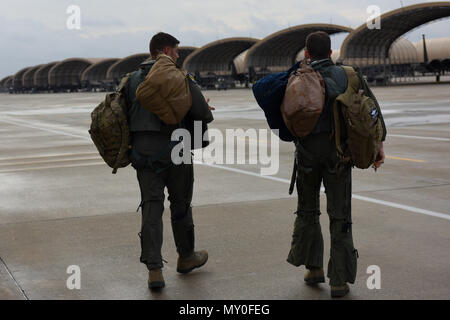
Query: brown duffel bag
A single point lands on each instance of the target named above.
(303, 101)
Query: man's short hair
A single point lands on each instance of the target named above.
(318, 45)
(161, 40)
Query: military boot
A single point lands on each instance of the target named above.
(195, 260)
(314, 275)
(339, 291)
(155, 279)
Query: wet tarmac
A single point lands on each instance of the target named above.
(61, 206)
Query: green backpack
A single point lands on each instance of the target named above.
(364, 129)
(109, 128)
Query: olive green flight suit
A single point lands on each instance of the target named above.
(317, 162)
(179, 180)
(151, 157)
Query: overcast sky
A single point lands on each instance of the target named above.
(34, 31)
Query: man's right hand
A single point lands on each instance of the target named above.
(210, 107)
(379, 160)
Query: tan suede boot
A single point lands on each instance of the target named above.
(339, 291)
(155, 279)
(314, 276)
(196, 260)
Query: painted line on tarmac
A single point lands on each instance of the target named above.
(58, 131)
(386, 203)
(11, 164)
(355, 196)
(8, 271)
(404, 159)
(249, 173)
(417, 137)
(403, 207)
(49, 156)
(54, 167)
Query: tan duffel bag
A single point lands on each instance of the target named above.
(165, 91)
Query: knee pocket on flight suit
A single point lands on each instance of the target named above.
(340, 229)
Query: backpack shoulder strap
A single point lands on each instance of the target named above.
(123, 82)
(352, 79)
(353, 85)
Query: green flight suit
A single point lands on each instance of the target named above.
(151, 157)
(317, 162)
